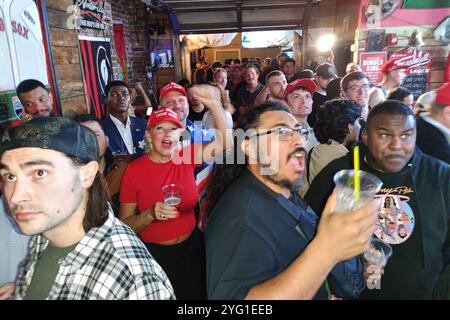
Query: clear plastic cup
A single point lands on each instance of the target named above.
(376, 259)
(370, 185)
(172, 194)
(379, 252)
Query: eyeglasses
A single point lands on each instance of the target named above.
(284, 133)
(356, 88)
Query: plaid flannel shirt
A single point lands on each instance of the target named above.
(110, 262)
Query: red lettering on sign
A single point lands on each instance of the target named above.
(19, 29)
(25, 33)
(2, 25)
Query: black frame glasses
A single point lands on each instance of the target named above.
(285, 133)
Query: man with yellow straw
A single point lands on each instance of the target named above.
(418, 188)
(262, 240)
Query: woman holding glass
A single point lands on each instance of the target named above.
(170, 232)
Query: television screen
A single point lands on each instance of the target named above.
(162, 59)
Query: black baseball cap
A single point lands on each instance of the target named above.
(54, 133)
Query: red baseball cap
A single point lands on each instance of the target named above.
(390, 65)
(309, 84)
(443, 94)
(170, 87)
(163, 114)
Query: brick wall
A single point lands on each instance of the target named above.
(134, 16)
(64, 46)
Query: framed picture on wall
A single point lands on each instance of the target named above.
(375, 40)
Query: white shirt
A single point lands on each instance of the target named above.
(445, 131)
(125, 133)
(208, 120)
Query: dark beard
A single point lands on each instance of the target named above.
(293, 186)
(272, 175)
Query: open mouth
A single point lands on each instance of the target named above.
(42, 113)
(167, 143)
(298, 161)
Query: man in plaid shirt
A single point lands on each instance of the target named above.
(79, 250)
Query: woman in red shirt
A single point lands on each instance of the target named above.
(169, 232)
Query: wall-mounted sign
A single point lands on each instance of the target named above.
(418, 69)
(91, 13)
(375, 40)
(97, 71)
(370, 63)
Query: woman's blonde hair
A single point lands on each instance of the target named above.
(217, 70)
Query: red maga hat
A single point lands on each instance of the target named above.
(390, 65)
(306, 83)
(163, 114)
(171, 86)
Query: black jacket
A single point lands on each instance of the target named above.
(431, 181)
(432, 141)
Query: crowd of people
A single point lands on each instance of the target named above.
(253, 147)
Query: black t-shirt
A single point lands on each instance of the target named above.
(404, 275)
(318, 100)
(245, 98)
(233, 91)
(196, 116)
(294, 77)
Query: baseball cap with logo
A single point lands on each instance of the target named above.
(443, 94)
(164, 114)
(55, 133)
(325, 70)
(309, 84)
(171, 86)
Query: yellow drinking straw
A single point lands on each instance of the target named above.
(356, 178)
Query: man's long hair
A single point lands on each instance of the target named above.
(97, 206)
(223, 175)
